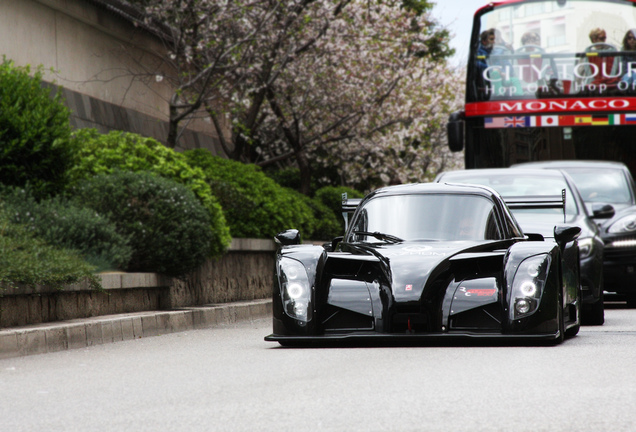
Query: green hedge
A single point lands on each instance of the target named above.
(27, 259)
(120, 151)
(254, 205)
(63, 223)
(35, 144)
(167, 226)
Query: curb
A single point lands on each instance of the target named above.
(82, 333)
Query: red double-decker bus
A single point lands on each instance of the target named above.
(549, 79)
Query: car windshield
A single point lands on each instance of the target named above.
(601, 185)
(515, 184)
(426, 217)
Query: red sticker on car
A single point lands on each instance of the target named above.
(409, 288)
(479, 292)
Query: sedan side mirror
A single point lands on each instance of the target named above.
(288, 238)
(603, 211)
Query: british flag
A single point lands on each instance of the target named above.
(515, 122)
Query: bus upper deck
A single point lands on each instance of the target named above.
(552, 48)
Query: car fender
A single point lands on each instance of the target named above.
(545, 318)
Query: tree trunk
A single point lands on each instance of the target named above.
(305, 173)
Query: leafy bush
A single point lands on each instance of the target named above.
(168, 228)
(35, 144)
(26, 259)
(120, 151)
(254, 205)
(326, 226)
(331, 196)
(64, 224)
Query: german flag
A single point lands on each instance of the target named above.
(600, 120)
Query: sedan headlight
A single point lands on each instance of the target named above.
(625, 224)
(295, 289)
(528, 284)
(586, 247)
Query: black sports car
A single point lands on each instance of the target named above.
(423, 262)
(515, 184)
(609, 192)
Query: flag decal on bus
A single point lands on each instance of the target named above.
(559, 120)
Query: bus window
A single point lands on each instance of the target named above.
(560, 59)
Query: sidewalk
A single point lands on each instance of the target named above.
(81, 333)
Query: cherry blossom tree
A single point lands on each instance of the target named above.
(356, 85)
(365, 99)
(206, 42)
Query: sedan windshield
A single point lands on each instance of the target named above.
(426, 217)
(601, 185)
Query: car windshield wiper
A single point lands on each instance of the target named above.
(380, 236)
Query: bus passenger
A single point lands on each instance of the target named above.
(531, 38)
(603, 70)
(501, 44)
(531, 42)
(497, 71)
(598, 35)
(487, 41)
(628, 61)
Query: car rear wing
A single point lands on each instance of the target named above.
(537, 202)
(349, 205)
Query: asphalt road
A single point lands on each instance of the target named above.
(229, 379)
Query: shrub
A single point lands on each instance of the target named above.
(169, 229)
(326, 226)
(64, 224)
(120, 151)
(254, 205)
(26, 259)
(35, 144)
(331, 196)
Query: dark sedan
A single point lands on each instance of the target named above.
(537, 182)
(609, 192)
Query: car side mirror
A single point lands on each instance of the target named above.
(603, 211)
(455, 131)
(563, 234)
(288, 238)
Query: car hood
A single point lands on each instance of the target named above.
(411, 265)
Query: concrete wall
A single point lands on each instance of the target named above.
(108, 67)
(245, 272)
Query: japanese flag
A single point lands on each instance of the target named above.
(549, 121)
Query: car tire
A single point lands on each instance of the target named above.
(574, 330)
(560, 320)
(594, 313)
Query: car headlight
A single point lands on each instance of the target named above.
(623, 225)
(586, 247)
(295, 289)
(528, 284)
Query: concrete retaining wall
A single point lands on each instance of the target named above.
(244, 273)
